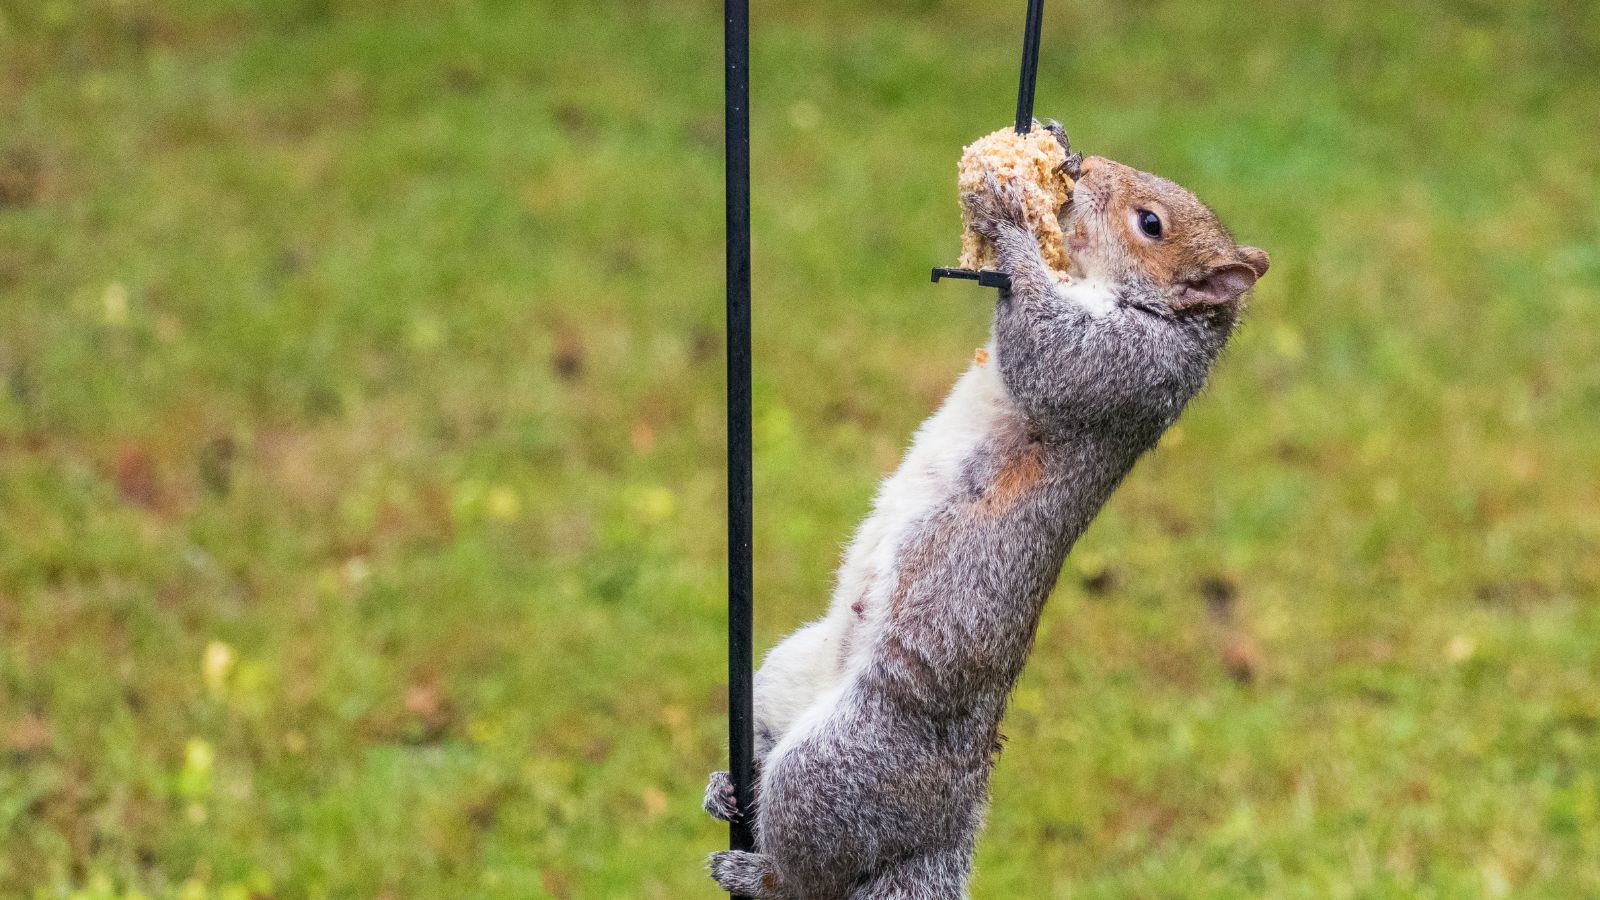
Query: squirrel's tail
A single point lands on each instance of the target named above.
(747, 875)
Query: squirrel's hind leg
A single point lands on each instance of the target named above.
(747, 875)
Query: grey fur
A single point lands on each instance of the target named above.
(886, 797)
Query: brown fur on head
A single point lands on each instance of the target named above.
(1132, 228)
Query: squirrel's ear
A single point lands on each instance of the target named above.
(1221, 285)
(1256, 259)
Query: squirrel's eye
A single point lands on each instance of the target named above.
(1149, 223)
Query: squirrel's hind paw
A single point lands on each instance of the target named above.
(746, 874)
(720, 800)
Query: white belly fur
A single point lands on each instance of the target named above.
(803, 679)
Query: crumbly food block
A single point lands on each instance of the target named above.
(1034, 159)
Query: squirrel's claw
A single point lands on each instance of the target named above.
(1073, 165)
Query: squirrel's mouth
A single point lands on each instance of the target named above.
(1078, 218)
(1084, 201)
(1075, 211)
(1065, 213)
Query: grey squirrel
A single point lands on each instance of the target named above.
(877, 726)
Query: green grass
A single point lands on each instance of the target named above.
(360, 440)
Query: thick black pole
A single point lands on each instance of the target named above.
(741, 740)
(1030, 66)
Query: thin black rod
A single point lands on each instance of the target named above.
(741, 740)
(1030, 66)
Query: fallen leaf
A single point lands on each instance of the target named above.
(21, 177)
(424, 700)
(1220, 593)
(643, 438)
(1241, 656)
(655, 802)
(136, 477)
(30, 735)
(503, 503)
(216, 664)
(114, 304)
(567, 361)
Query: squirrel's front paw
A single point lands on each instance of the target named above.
(720, 800)
(1073, 165)
(994, 209)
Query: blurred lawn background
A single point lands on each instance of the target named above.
(361, 434)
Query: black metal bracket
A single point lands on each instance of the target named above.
(984, 277)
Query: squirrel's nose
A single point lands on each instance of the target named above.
(1090, 163)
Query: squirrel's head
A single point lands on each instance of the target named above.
(1162, 279)
(1163, 250)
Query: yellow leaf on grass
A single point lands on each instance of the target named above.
(216, 664)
